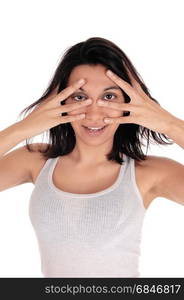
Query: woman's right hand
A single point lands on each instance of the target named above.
(47, 114)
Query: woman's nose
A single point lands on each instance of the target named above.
(94, 110)
(94, 107)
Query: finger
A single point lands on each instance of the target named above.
(121, 120)
(73, 118)
(117, 106)
(69, 90)
(54, 91)
(132, 79)
(129, 90)
(73, 106)
(48, 98)
(135, 83)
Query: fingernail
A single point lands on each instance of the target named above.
(88, 101)
(81, 81)
(109, 72)
(107, 120)
(81, 116)
(100, 102)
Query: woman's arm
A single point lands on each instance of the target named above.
(176, 131)
(170, 179)
(10, 137)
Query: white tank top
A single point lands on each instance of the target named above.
(88, 235)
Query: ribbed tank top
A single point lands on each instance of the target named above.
(88, 235)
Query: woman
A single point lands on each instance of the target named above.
(93, 183)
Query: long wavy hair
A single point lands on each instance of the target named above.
(128, 138)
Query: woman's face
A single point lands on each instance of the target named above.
(97, 86)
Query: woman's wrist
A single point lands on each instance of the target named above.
(175, 131)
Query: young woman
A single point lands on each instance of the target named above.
(92, 181)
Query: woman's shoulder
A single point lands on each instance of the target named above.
(156, 166)
(150, 172)
(36, 158)
(154, 161)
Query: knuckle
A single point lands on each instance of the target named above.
(126, 106)
(48, 113)
(65, 92)
(134, 93)
(118, 80)
(72, 118)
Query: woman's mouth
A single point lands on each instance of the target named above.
(94, 131)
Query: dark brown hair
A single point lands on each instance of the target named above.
(128, 138)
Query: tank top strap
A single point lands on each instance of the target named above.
(133, 182)
(47, 168)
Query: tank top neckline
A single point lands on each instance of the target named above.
(74, 195)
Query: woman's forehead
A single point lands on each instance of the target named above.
(94, 75)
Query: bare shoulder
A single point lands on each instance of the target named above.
(156, 169)
(18, 165)
(160, 163)
(153, 172)
(158, 166)
(36, 159)
(170, 179)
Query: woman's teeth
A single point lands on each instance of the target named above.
(95, 128)
(94, 131)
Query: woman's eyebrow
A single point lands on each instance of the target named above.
(115, 87)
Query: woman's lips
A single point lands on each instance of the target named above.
(92, 132)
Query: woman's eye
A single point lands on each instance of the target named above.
(110, 95)
(81, 97)
(74, 97)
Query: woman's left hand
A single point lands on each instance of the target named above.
(143, 110)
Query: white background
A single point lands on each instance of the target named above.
(34, 35)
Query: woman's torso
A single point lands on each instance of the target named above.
(88, 221)
(66, 176)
